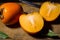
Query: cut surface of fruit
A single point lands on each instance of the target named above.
(49, 11)
(58, 5)
(32, 23)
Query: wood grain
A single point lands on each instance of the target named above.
(17, 33)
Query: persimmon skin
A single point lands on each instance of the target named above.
(32, 23)
(11, 10)
(14, 20)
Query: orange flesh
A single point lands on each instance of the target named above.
(31, 23)
(58, 5)
(49, 11)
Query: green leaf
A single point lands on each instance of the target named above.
(51, 33)
(3, 35)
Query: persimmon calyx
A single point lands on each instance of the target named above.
(1, 13)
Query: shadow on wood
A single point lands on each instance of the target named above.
(17, 25)
(56, 21)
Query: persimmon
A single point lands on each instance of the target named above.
(58, 5)
(31, 23)
(10, 12)
(49, 11)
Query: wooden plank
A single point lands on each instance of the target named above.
(11, 32)
(18, 33)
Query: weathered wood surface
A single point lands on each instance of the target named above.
(17, 33)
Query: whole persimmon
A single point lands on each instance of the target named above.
(49, 11)
(10, 12)
(31, 23)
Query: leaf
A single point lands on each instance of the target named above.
(3, 35)
(51, 33)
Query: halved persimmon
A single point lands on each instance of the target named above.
(32, 23)
(49, 11)
(58, 5)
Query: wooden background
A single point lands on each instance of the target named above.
(15, 32)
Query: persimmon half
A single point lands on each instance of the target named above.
(10, 12)
(58, 5)
(31, 23)
(49, 11)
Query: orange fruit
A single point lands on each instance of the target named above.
(32, 23)
(49, 11)
(10, 12)
(58, 5)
